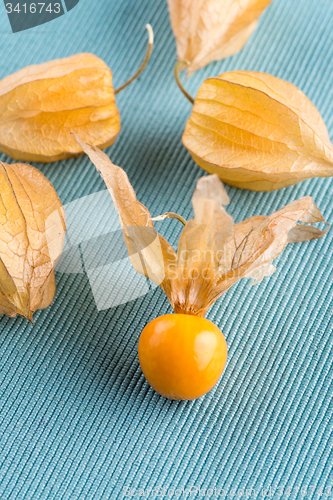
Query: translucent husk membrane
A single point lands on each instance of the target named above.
(32, 230)
(210, 30)
(41, 104)
(256, 131)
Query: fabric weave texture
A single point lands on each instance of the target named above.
(77, 418)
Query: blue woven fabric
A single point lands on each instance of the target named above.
(77, 418)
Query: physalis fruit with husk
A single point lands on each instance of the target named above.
(209, 30)
(257, 132)
(40, 105)
(32, 230)
(183, 355)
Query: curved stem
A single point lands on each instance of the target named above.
(144, 62)
(178, 68)
(170, 215)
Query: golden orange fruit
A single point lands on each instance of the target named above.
(182, 356)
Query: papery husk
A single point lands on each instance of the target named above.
(150, 254)
(32, 229)
(213, 252)
(257, 132)
(40, 105)
(209, 30)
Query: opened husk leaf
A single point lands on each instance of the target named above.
(213, 252)
(257, 132)
(32, 229)
(209, 30)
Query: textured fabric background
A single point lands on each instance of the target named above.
(77, 418)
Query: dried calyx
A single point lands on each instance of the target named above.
(257, 132)
(210, 30)
(41, 104)
(213, 252)
(32, 230)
